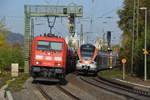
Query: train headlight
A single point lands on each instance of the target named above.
(37, 62)
(39, 57)
(58, 58)
(58, 64)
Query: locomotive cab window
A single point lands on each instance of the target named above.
(56, 46)
(49, 45)
(43, 45)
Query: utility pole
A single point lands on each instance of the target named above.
(81, 35)
(132, 58)
(137, 27)
(145, 44)
(145, 64)
(135, 34)
(32, 29)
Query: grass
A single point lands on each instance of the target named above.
(18, 83)
(117, 73)
(111, 73)
(4, 78)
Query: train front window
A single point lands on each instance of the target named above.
(56, 46)
(87, 51)
(86, 55)
(43, 45)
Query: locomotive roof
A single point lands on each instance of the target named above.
(48, 38)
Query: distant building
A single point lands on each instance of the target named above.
(100, 43)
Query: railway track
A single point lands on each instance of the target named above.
(48, 97)
(68, 93)
(116, 88)
(43, 92)
(127, 88)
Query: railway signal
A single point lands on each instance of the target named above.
(71, 24)
(109, 38)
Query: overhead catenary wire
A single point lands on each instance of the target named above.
(108, 13)
(51, 25)
(46, 1)
(58, 31)
(63, 27)
(13, 16)
(112, 10)
(48, 20)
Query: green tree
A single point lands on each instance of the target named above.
(126, 25)
(3, 41)
(9, 52)
(5, 58)
(4, 54)
(17, 54)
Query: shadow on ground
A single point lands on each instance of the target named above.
(50, 82)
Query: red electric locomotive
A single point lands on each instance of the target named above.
(48, 60)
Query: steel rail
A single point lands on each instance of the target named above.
(124, 87)
(44, 93)
(103, 86)
(68, 93)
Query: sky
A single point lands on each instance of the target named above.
(12, 13)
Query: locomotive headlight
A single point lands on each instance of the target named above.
(37, 62)
(58, 64)
(58, 58)
(38, 57)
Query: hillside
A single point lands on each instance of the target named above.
(15, 37)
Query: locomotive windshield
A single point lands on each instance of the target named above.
(87, 51)
(56, 46)
(46, 45)
(43, 45)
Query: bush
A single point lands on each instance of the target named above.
(8, 56)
